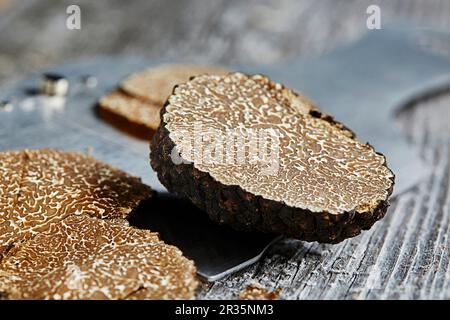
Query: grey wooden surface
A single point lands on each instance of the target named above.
(406, 255)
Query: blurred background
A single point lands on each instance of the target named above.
(33, 33)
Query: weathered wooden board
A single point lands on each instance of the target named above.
(406, 255)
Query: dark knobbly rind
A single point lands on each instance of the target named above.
(242, 210)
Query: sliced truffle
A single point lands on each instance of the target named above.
(12, 166)
(39, 188)
(310, 178)
(256, 292)
(89, 258)
(63, 232)
(135, 116)
(156, 84)
(135, 107)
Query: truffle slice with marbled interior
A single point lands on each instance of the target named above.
(134, 116)
(257, 156)
(156, 84)
(256, 292)
(88, 258)
(134, 107)
(39, 188)
(63, 233)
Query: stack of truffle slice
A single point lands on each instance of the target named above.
(135, 106)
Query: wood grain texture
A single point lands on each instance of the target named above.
(406, 255)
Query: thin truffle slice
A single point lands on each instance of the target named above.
(12, 166)
(134, 108)
(89, 258)
(321, 185)
(256, 292)
(39, 188)
(135, 116)
(156, 84)
(63, 233)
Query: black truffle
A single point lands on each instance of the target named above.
(257, 156)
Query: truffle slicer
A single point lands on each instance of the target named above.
(361, 85)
